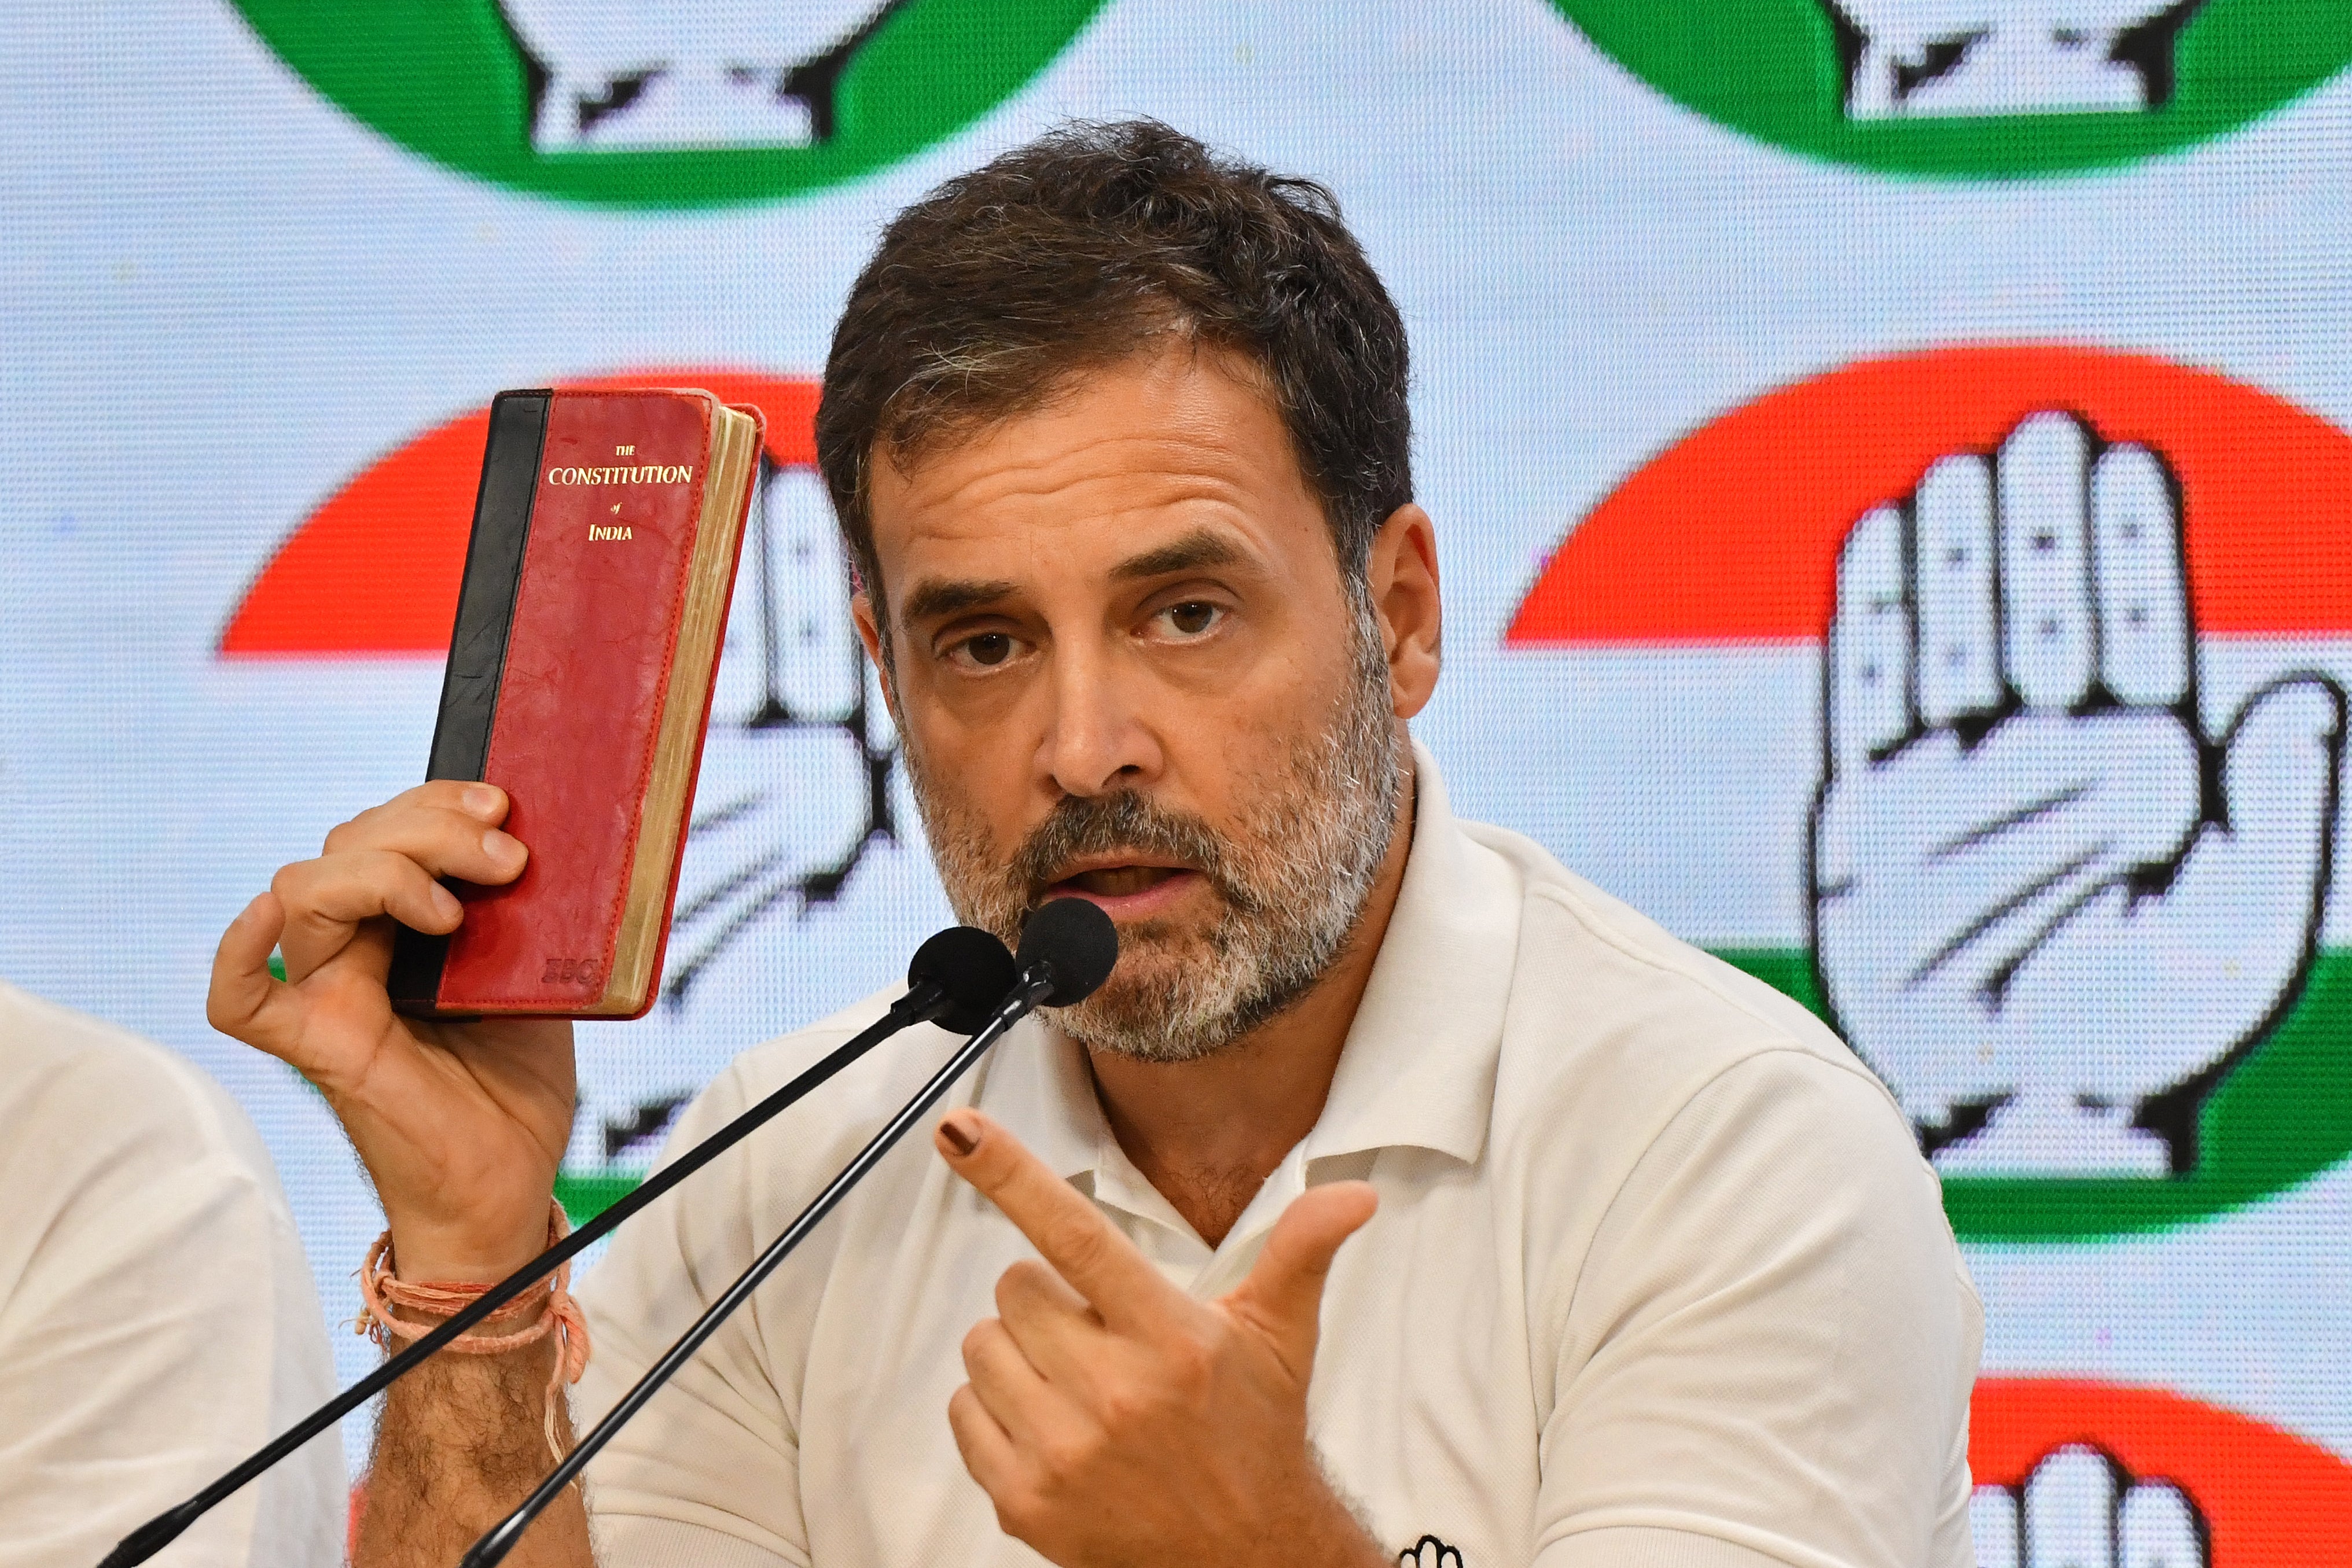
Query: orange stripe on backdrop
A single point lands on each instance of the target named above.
(2271, 1500)
(1731, 535)
(374, 571)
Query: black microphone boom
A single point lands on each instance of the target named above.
(955, 980)
(1067, 949)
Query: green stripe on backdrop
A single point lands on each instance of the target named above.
(2284, 1115)
(2281, 1116)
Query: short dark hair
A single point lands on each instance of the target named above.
(1072, 251)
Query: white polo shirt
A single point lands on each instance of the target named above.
(157, 1318)
(1658, 1280)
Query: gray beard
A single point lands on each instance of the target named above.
(1292, 877)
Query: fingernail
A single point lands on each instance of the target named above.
(445, 904)
(962, 1141)
(503, 846)
(480, 801)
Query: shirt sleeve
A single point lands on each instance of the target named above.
(1767, 1351)
(160, 1324)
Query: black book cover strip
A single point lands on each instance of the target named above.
(478, 645)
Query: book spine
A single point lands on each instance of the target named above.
(477, 644)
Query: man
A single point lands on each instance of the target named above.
(1645, 1267)
(157, 1320)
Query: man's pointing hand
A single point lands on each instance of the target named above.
(1114, 1419)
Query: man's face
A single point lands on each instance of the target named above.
(1129, 669)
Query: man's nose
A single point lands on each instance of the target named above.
(1095, 739)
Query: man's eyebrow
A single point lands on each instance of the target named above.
(1201, 547)
(934, 597)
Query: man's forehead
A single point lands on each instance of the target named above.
(1198, 549)
(1146, 466)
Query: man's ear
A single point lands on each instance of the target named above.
(869, 631)
(1401, 576)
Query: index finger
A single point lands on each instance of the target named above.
(1067, 1228)
(2144, 638)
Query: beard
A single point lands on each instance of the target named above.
(1291, 878)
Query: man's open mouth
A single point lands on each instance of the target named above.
(1120, 881)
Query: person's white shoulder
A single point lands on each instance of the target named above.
(1724, 1204)
(141, 1197)
(1608, 1008)
(117, 1090)
(1627, 957)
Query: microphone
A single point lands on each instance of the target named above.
(955, 979)
(1067, 949)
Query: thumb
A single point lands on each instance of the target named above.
(2280, 756)
(246, 1001)
(1283, 1294)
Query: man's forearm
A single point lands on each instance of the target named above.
(462, 1441)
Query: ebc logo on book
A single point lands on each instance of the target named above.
(797, 794)
(2068, 867)
(1974, 88)
(667, 104)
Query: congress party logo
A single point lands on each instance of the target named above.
(667, 104)
(2065, 894)
(1976, 87)
(2097, 1474)
(794, 795)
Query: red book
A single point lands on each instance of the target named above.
(604, 550)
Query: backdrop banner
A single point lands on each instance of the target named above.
(1893, 466)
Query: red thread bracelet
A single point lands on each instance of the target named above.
(382, 1288)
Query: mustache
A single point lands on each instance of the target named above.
(1121, 822)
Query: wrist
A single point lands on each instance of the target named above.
(1335, 1533)
(476, 1254)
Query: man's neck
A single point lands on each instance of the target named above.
(1207, 1133)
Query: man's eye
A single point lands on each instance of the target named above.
(1193, 617)
(987, 650)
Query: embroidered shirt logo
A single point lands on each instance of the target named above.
(1430, 1552)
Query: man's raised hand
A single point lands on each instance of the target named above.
(1114, 1419)
(460, 1126)
(2043, 894)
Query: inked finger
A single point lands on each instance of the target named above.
(1959, 620)
(1870, 644)
(2047, 641)
(2145, 635)
(1065, 1227)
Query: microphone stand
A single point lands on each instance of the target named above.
(925, 1000)
(1036, 985)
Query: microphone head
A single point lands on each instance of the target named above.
(972, 967)
(1078, 943)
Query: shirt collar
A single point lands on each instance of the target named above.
(1418, 1069)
